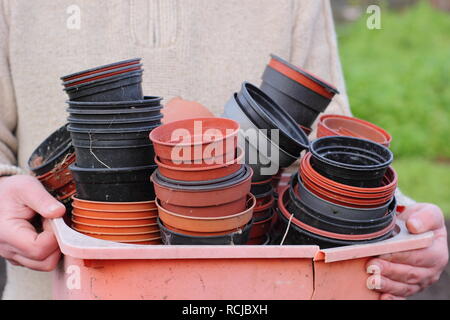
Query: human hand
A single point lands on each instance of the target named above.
(21, 197)
(406, 273)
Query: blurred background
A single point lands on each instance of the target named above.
(398, 77)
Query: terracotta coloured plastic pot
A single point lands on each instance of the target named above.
(114, 207)
(148, 102)
(112, 66)
(351, 161)
(261, 228)
(203, 195)
(178, 109)
(114, 185)
(262, 199)
(266, 114)
(59, 176)
(207, 172)
(114, 223)
(124, 238)
(222, 210)
(117, 215)
(337, 125)
(121, 87)
(115, 230)
(238, 237)
(214, 224)
(195, 139)
(142, 243)
(264, 210)
(101, 75)
(54, 150)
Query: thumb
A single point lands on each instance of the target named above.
(34, 196)
(424, 218)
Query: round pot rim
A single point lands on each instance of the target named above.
(178, 123)
(134, 61)
(237, 160)
(115, 219)
(266, 206)
(95, 112)
(147, 99)
(115, 234)
(383, 132)
(392, 185)
(298, 180)
(102, 75)
(113, 122)
(327, 234)
(249, 208)
(102, 81)
(111, 131)
(265, 220)
(114, 227)
(75, 168)
(344, 165)
(327, 86)
(259, 183)
(112, 203)
(304, 144)
(204, 188)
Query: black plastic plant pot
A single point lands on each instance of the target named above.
(113, 154)
(266, 114)
(323, 222)
(111, 134)
(102, 75)
(239, 237)
(123, 87)
(351, 161)
(147, 102)
(95, 70)
(115, 124)
(335, 211)
(298, 236)
(259, 190)
(51, 152)
(114, 185)
(302, 104)
(113, 115)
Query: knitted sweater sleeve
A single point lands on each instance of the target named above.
(8, 112)
(315, 48)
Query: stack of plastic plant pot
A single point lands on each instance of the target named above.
(263, 214)
(342, 195)
(50, 164)
(337, 125)
(120, 81)
(270, 137)
(202, 187)
(109, 124)
(303, 95)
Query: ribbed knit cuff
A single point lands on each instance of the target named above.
(9, 170)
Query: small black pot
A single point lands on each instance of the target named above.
(351, 161)
(114, 154)
(115, 124)
(302, 104)
(123, 70)
(299, 236)
(114, 185)
(111, 134)
(51, 152)
(236, 238)
(266, 114)
(113, 115)
(147, 102)
(123, 87)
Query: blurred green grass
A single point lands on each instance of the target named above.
(398, 77)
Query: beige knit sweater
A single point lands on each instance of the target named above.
(201, 50)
